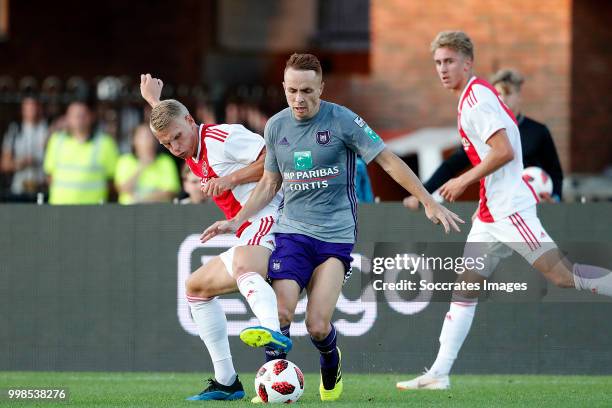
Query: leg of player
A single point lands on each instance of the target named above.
(323, 292)
(287, 295)
(456, 326)
(250, 267)
(525, 234)
(560, 271)
(458, 321)
(202, 286)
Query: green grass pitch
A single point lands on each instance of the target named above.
(113, 389)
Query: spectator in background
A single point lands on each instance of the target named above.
(537, 144)
(233, 111)
(192, 186)
(363, 187)
(79, 162)
(23, 152)
(205, 112)
(246, 113)
(254, 119)
(146, 175)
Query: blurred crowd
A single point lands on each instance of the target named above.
(79, 142)
(83, 143)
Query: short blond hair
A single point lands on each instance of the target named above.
(164, 113)
(455, 40)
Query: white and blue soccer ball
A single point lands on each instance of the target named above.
(279, 381)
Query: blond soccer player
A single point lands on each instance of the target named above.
(506, 215)
(229, 160)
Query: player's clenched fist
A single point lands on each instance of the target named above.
(452, 189)
(412, 203)
(219, 227)
(216, 186)
(151, 88)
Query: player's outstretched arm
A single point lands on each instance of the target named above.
(262, 194)
(404, 176)
(501, 153)
(248, 174)
(150, 89)
(446, 171)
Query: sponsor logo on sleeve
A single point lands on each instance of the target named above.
(360, 122)
(371, 134)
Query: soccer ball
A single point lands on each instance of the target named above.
(279, 381)
(539, 180)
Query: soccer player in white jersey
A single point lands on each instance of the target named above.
(506, 214)
(229, 160)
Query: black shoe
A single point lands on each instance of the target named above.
(331, 385)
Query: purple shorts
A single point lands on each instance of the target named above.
(296, 256)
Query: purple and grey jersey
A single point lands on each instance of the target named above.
(316, 158)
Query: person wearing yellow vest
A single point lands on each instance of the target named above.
(78, 162)
(145, 176)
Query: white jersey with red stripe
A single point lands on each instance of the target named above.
(481, 113)
(222, 150)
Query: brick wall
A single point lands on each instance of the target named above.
(561, 46)
(591, 83)
(402, 90)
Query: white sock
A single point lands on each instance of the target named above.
(212, 328)
(454, 331)
(593, 278)
(261, 297)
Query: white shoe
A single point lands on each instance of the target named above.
(427, 381)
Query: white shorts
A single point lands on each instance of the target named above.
(521, 232)
(257, 233)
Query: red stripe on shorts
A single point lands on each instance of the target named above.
(520, 230)
(533, 237)
(269, 227)
(263, 223)
(266, 229)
